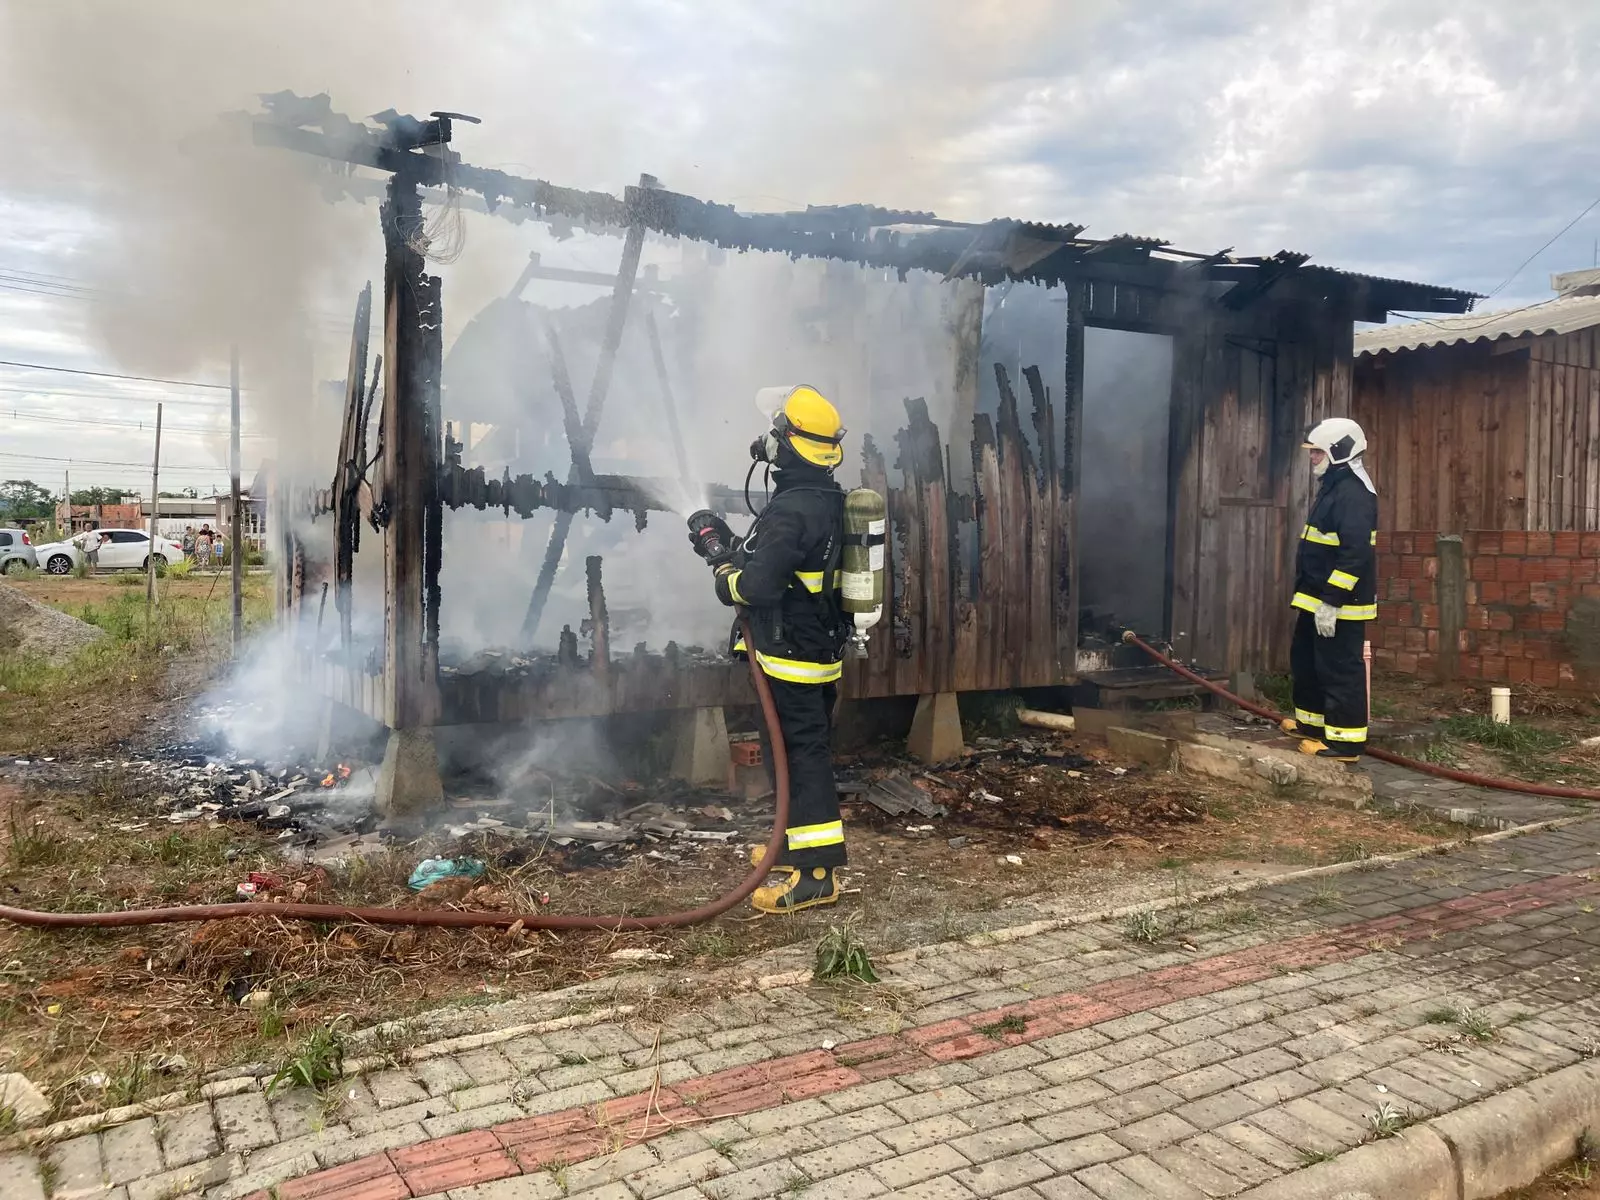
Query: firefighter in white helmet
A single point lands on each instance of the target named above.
(1336, 593)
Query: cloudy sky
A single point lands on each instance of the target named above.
(1443, 141)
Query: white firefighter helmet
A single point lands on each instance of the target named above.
(1339, 438)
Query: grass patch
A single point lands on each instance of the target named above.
(1474, 1024)
(32, 844)
(318, 1062)
(1143, 927)
(841, 954)
(1311, 1158)
(1388, 1120)
(712, 943)
(1010, 1023)
(1522, 747)
(130, 1082)
(1276, 690)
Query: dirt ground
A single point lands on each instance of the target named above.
(98, 1015)
(107, 694)
(1578, 1180)
(74, 1003)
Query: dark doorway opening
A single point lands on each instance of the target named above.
(1124, 500)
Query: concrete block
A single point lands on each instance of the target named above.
(1139, 746)
(1415, 1164)
(27, 1103)
(408, 781)
(700, 749)
(1262, 766)
(1509, 1140)
(936, 729)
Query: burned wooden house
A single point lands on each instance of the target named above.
(1083, 434)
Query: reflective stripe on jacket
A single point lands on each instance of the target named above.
(779, 577)
(1337, 557)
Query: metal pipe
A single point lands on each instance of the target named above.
(1388, 756)
(457, 919)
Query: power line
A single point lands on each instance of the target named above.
(211, 402)
(104, 462)
(5, 362)
(1586, 211)
(15, 415)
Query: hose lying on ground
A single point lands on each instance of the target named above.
(455, 918)
(1388, 756)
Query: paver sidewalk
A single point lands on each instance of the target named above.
(1253, 1038)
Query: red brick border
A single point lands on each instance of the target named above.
(575, 1134)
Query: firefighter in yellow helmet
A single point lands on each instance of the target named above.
(783, 573)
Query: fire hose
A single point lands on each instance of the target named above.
(1382, 755)
(456, 918)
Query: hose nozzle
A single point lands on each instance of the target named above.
(1129, 637)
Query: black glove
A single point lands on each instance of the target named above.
(711, 538)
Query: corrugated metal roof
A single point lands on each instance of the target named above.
(1565, 314)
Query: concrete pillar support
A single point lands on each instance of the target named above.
(408, 781)
(936, 729)
(700, 749)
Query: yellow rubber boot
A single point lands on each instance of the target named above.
(1320, 749)
(801, 890)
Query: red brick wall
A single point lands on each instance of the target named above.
(1519, 590)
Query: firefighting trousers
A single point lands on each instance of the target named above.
(805, 715)
(1330, 683)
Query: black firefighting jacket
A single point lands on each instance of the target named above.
(785, 575)
(1337, 560)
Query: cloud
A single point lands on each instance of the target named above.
(1415, 138)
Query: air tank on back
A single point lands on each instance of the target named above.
(861, 564)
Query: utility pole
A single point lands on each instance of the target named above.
(238, 519)
(66, 482)
(155, 507)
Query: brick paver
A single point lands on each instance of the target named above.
(1067, 1064)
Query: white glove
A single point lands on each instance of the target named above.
(1327, 618)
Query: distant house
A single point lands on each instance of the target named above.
(253, 513)
(1488, 420)
(99, 516)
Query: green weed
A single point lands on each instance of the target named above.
(1388, 1120)
(1311, 1158)
(1010, 1023)
(712, 943)
(1471, 1022)
(31, 844)
(130, 1082)
(318, 1062)
(1143, 927)
(841, 954)
(1521, 747)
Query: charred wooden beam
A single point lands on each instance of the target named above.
(410, 479)
(598, 626)
(602, 495)
(352, 452)
(616, 320)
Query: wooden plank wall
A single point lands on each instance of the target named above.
(996, 629)
(1563, 450)
(1447, 429)
(1244, 390)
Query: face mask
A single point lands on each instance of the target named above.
(1318, 470)
(765, 448)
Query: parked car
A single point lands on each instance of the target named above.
(120, 550)
(16, 548)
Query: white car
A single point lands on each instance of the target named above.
(120, 549)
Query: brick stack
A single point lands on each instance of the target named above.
(1520, 588)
